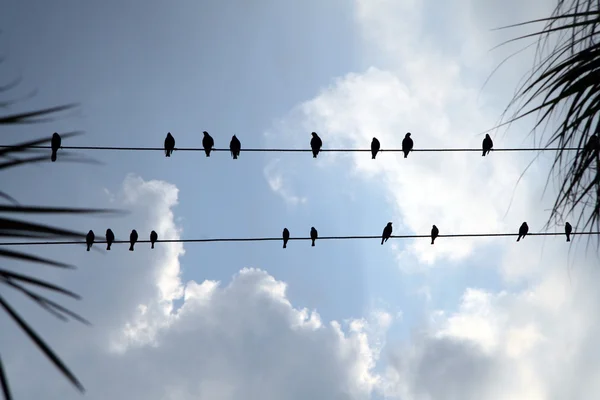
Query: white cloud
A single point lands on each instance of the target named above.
(280, 185)
(240, 340)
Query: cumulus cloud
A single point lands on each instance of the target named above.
(280, 185)
(238, 340)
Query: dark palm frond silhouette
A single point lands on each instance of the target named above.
(13, 226)
(564, 86)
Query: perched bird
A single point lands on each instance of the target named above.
(434, 233)
(315, 144)
(110, 238)
(568, 230)
(286, 237)
(387, 232)
(153, 238)
(375, 146)
(169, 144)
(487, 145)
(523, 230)
(313, 235)
(55, 144)
(208, 143)
(235, 146)
(407, 144)
(89, 239)
(133, 237)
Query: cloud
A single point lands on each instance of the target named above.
(240, 340)
(280, 185)
(538, 343)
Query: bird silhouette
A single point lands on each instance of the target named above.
(523, 230)
(434, 233)
(407, 144)
(568, 230)
(375, 146)
(235, 146)
(133, 237)
(314, 235)
(286, 237)
(89, 239)
(487, 145)
(153, 238)
(110, 238)
(387, 232)
(208, 143)
(55, 145)
(315, 144)
(169, 144)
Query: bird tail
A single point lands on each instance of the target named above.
(483, 153)
(373, 157)
(53, 156)
(432, 240)
(108, 246)
(405, 155)
(284, 245)
(382, 240)
(519, 238)
(131, 247)
(152, 245)
(235, 156)
(568, 239)
(315, 154)
(207, 153)
(88, 247)
(313, 243)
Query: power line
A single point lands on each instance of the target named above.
(275, 239)
(283, 150)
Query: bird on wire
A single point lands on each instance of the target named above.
(169, 144)
(208, 143)
(407, 144)
(387, 232)
(286, 237)
(55, 145)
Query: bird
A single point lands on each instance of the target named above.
(235, 146)
(487, 144)
(315, 144)
(286, 237)
(434, 233)
(110, 237)
(313, 235)
(207, 142)
(55, 145)
(407, 144)
(523, 230)
(169, 144)
(89, 239)
(387, 232)
(153, 237)
(133, 237)
(568, 230)
(375, 146)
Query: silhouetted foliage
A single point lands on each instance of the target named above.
(564, 84)
(12, 226)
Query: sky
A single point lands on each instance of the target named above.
(467, 318)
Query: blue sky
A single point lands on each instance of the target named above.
(272, 72)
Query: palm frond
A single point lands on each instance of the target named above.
(563, 86)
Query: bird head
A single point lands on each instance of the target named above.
(314, 134)
(234, 137)
(205, 133)
(407, 135)
(487, 136)
(389, 223)
(134, 231)
(434, 227)
(90, 232)
(55, 134)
